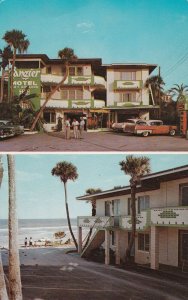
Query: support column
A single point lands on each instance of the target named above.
(117, 252)
(154, 247)
(107, 247)
(79, 239)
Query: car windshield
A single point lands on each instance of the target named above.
(156, 123)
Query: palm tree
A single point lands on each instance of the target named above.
(92, 191)
(3, 290)
(135, 167)
(17, 40)
(155, 84)
(66, 171)
(5, 54)
(15, 288)
(179, 92)
(66, 54)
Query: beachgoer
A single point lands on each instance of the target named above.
(30, 241)
(75, 125)
(67, 129)
(82, 123)
(25, 242)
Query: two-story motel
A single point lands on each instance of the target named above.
(100, 93)
(162, 220)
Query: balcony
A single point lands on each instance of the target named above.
(51, 78)
(142, 221)
(87, 80)
(170, 216)
(95, 222)
(128, 84)
(82, 103)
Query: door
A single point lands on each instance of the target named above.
(184, 194)
(183, 246)
(107, 209)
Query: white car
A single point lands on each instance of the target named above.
(118, 126)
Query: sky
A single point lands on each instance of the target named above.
(141, 31)
(41, 195)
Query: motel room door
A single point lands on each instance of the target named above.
(183, 246)
(116, 211)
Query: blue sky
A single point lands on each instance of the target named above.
(115, 30)
(41, 195)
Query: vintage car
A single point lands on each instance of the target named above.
(145, 128)
(8, 129)
(118, 126)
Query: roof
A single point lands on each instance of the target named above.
(151, 67)
(148, 182)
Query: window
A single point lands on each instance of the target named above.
(107, 208)
(46, 89)
(143, 242)
(113, 238)
(49, 70)
(143, 203)
(128, 75)
(72, 94)
(49, 117)
(184, 194)
(76, 71)
(127, 97)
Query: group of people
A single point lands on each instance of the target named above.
(78, 128)
(28, 242)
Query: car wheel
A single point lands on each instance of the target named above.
(145, 133)
(172, 132)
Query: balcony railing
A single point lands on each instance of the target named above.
(142, 221)
(170, 216)
(128, 84)
(95, 222)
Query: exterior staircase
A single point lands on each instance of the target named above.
(96, 240)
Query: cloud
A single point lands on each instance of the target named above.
(86, 27)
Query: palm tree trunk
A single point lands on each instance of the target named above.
(133, 221)
(15, 289)
(68, 217)
(48, 98)
(3, 290)
(2, 85)
(12, 76)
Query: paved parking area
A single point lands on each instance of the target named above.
(50, 274)
(93, 141)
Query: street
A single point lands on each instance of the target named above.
(92, 141)
(51, 274)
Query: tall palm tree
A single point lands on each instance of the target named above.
(17, 40)
(135, 167)
(5, 55)
(66, 54)
(3, 290)
(155, 84)
(66, 171)
(179, 92)
(15, 288)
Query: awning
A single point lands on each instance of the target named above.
(100, 111)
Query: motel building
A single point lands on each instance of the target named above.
(102, 94)
(162, 220)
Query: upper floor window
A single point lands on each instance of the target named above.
(125, 75)
(49, 70)
(184, 194)
(127, 97)
(143, 203)
(143, 242)
(72, 94)
(76, 71)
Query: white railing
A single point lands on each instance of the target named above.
(170, 216)
(142, 221)
(52, 78)
(95, 222)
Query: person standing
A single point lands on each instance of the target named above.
(25, 242)
(67, 129)
(82, 123)
(30, 242)
(75, 125)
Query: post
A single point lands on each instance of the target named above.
(79, 239)
(107, 247)
(117, 252)
(154, 244)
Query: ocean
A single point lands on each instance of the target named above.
(37, 229)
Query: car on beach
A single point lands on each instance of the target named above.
(149, 127)
(8, 129)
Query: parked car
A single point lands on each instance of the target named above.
(145, 128)
(118, 126)
(8, 129)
